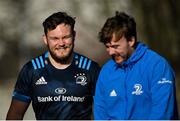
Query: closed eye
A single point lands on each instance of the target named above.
(112, 46)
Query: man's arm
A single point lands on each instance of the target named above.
(17, 110)
(163, 91)
(99, 100)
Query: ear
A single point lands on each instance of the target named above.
(131, 41)
(44, 39)
(74, 35)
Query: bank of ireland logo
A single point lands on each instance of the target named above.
(81, 79)
(60, 90)
(138, 89)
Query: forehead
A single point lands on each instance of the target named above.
(61, 28)
(115, 40)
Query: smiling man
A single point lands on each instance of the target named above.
(60, 83)
(137, 83)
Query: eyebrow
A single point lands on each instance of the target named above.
(69, 35)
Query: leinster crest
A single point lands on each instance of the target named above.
(81, 79)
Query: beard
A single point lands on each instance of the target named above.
(120, 58)
(63, 59)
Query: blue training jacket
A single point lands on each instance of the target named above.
(143, 87)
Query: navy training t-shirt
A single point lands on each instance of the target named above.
(58, 93)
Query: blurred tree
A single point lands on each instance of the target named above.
(158, 22)
(21, 28)
(10, 21)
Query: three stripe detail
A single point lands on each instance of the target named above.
(38, 62)
(84, 63)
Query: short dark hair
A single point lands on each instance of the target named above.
(55, 19)
(121, 25)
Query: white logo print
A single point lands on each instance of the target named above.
(113, 93)
(138, 89)
(60, 90)
(81, 79)
(41, 81)
(164, 80)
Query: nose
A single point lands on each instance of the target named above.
(60, 42)
(111, 51)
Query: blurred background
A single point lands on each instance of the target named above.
(21, 31)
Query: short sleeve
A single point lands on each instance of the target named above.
(22, 89)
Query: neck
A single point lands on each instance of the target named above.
(59, 65)
(131, 51)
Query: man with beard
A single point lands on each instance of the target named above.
(137, 83)
(60, 83)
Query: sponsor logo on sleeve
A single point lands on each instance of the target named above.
(164, 81)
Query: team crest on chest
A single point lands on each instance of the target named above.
(81, 79)
(138, 89)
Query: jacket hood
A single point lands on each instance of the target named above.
(137, 54)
